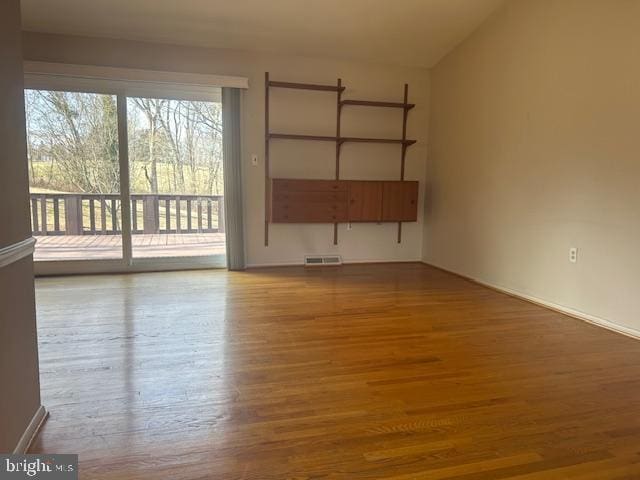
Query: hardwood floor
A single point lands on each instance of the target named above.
(358, 372)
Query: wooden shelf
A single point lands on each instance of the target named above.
(307, 86)
(290, 212)
(288, 136)
(368, 103)
(321, 138)
(376, 140)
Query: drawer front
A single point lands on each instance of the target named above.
(310, 197)
(281, 185)
(284, 212)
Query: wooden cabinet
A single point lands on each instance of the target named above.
(399, 201)
(365, 201)
(308, 201)
(340, 201)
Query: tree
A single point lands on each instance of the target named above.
(77, 133)
(175, 146)
(152, 108)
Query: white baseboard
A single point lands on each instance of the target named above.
(571, 312)
(275, 264)
(374, 260)
(32, 430)
(344, 262)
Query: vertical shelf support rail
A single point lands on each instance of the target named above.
(267, 173)
(338, 148)
(405, 113)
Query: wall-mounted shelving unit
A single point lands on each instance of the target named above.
(339, 140)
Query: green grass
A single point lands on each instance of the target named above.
(49, 178)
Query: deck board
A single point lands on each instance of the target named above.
(101, 247)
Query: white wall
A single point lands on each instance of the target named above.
(19, 377)
(535, 148)
(292, 112)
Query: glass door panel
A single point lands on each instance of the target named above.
(74, 173)
(176, 182)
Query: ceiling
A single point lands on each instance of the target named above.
(408, 32)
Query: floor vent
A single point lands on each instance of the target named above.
(322, 260)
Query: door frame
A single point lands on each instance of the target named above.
(123, 84)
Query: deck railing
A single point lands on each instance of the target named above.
(100, 214)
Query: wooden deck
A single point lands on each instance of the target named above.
(397, 372)
(101, 247)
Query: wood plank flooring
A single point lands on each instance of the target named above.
(358, 372)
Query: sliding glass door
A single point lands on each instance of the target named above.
(175, 168)
(173, 180)
(74, 175)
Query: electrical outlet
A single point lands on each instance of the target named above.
(254, 160)
(573, 255)
(349, 227)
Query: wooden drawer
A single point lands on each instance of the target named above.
(310, 197)
(285, 212)
(281, 185)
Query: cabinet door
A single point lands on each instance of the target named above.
(392, 201)
(400, 202)
(365, 201)
(409, 202)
